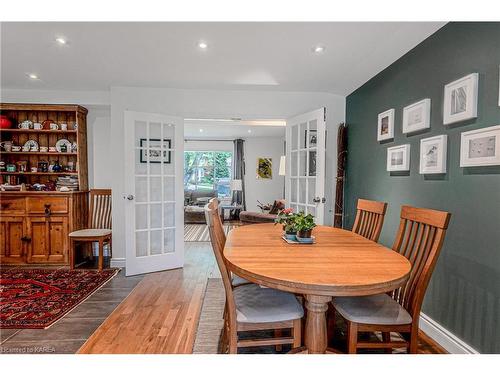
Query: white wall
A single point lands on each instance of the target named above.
(99, 145)
(266, 191)
(208, 146)
(216, 104)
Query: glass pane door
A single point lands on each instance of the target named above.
(305, 155)
(153, 223)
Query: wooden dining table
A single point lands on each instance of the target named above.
(339, 263)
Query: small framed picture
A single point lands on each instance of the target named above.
(385, 128)
(264, 168)
(480, 147)
(433, 154)
(156, 153)
(311, 138)
(460, 99)
(398, 158)
(417, 116)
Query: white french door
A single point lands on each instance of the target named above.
(154, 150)
(305, 163)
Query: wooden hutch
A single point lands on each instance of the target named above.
(35, 222)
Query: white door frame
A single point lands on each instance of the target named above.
(319, 196)
(159, 262)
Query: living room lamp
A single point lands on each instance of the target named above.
(236, 185)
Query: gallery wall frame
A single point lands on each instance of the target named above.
(417, 116)
(433, 153)
(480, 147)
(460, 99)
(398, 158)
(385, 125)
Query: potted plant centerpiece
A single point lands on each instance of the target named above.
(286, 217)
(304, 225)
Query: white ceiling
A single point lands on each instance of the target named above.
(264, 56)
(230, 129)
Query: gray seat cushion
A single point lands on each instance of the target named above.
(238, 280)
(265, 305)
(90, 233)
(377, 309)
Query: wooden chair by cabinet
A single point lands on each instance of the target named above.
(420, 238)
(369, 219)
(250, 307)
(99, 225)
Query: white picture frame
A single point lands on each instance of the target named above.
(460, 99)
(385, 125)
(433, 154)
(480, 147)
(417, 116)
(398, 158)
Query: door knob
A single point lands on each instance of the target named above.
(316, 200)
(130, 197)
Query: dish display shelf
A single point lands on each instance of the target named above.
(76, 133)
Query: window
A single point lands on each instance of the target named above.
(208, 170)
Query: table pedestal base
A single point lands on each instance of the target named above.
(316, 339)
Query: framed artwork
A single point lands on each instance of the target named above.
(156, 154)
(264, 168)
(398, 158)
(311, 136)
(460, 99)
(417, 116)
(433, 154)
(480, 147)
(385, 128)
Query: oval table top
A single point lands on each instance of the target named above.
(340, 263)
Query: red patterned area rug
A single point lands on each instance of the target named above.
(37, 298)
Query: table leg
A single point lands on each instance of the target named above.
(316, 333)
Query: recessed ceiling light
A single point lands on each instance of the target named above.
(201, 130)
(32, 75)
(203, 45)
(319, 49)
(61, 41)
(249, 130)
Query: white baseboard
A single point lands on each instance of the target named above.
(451, 343)
(118, 262)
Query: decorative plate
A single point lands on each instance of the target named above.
(31, 144)
(60, 142)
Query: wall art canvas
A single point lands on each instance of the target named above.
(398, 158)
(417, 116)
(480, 147)
(460, 99)
(156, 153)
(385, 127)
(264, 168)
(433, 154)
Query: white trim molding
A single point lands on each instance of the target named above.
(451, 343)
(118, 262)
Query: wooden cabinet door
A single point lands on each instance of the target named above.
(49, 239)
(12, 247)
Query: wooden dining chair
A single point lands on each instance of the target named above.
(369, 219)
(420, 238)
(98, 228)
(250, 307)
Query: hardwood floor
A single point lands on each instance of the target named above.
(161, 314)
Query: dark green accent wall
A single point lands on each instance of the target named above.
(464, 293)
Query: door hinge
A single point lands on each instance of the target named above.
(324, 114)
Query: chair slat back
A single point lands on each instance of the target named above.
(100, 209)
(369, 219)
(218, 240)
(420, 239)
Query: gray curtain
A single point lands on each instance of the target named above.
(238, 174)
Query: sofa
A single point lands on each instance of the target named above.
(251, 217)
(194, 203)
